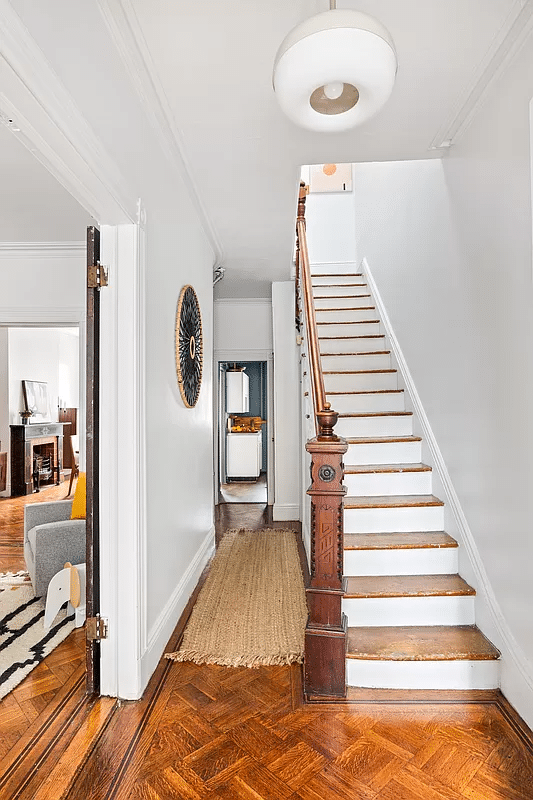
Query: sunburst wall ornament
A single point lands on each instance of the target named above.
(189, 342)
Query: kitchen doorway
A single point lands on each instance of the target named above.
(244, 431)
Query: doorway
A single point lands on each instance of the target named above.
(244, 431)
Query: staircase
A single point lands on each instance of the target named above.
(411, 621)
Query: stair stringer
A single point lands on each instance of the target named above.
(516, 672)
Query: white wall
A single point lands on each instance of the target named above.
(243, 325)
(488, 175)
(330, 227)
(144, 181)
(39, 285)
(43, 354)
(179, 439)
(286, 404)
(449, 246)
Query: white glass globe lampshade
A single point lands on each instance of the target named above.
(335, 70)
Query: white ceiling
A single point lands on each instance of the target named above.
(34, 207)
(213, 62)
(210, 66)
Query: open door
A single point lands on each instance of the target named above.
(96, 278)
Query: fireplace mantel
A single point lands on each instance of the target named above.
(26, 441)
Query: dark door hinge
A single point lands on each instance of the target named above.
(97, 276)
(96, 628)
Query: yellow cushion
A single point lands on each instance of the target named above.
(79, 504)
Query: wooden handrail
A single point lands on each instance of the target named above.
(325, 632)
(326, 418)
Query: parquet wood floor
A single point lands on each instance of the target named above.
(31, 699)
(210, 732)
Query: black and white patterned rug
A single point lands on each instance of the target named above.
(23, 641)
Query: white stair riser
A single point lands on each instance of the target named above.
(346, 315)
(354, 285)
(422, 674)
(374, 426)
(334, 281)
(346, 269)
(384, 453)
(422, 561)
(351, 329)
(390, 520)
(440, 610)
(358, 382)
(386, 401)
(382, 483)
(352, 345)
(356, 301)
(349, 361)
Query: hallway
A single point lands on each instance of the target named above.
(212, 732)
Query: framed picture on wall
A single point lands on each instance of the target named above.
(35, 395)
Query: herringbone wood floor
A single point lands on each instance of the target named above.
(30, 699)
(240, 734)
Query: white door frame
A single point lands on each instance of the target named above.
(52, 127)
(243, 356)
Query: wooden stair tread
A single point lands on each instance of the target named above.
(347, 308)
(371, 391)
(329, 285)
(420, 643)
(372, 469)
(364, 414)
(357, 371)
(394, 501)
(407, 586)
(412, 540)
(360, 353)
(365, 336)
(336, 297)
(349, 321)
(336, 275)
(381, 439)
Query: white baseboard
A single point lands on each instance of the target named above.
(517, 671)
(285, 511)
(162, 629)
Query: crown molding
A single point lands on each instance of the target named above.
(48, 122)
(127, 35)
(42, 249)
(514, 32)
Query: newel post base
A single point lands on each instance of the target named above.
(325, 633)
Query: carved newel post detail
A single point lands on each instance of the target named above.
(325, 633)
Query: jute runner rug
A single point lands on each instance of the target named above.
(251, 610)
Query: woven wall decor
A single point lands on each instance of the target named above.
(189, 353)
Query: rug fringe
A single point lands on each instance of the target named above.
(253, 662)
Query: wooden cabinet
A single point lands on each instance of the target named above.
(70, 416)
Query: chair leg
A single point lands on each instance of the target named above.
(74, 472)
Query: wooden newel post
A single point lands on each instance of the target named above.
(325, 633)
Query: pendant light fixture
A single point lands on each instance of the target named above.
(335, 70)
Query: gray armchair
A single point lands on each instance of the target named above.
(51, 539)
